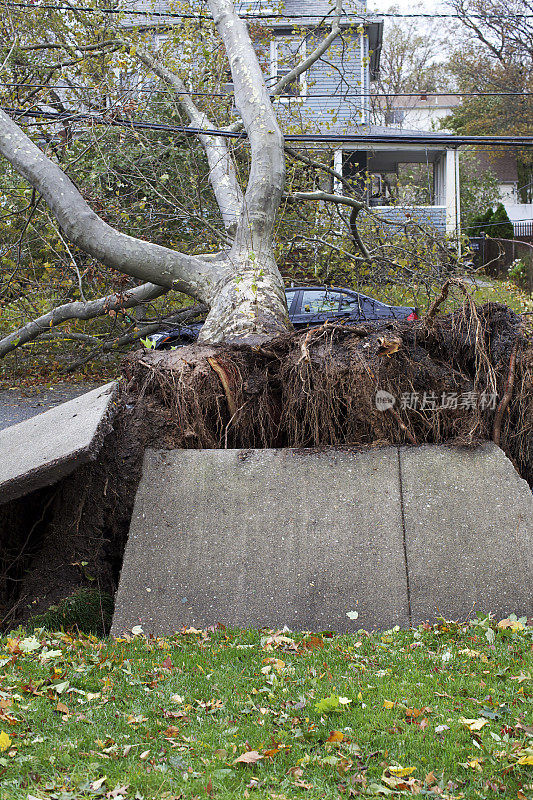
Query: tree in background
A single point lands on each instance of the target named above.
(409, 62)
(495, 54)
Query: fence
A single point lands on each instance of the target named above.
(495, 256)
(523, 230)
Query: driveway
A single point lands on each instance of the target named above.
(16, 405)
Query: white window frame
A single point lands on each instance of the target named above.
(302, 79)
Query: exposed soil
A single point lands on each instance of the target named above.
(309, 389)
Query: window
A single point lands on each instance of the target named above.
(285, 53)
(325, 302)
(395, 116)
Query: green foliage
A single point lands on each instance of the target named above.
(500, 224)
(518, 270)
(88, 610)
(327, 705)
(495, 224)
(480, 190)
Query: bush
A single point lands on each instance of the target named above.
(495, 224)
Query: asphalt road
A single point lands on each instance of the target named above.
(17, 405)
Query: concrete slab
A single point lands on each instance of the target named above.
(265, 538)
(43, 449)
(469, 532)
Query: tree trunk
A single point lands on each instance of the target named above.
(248, 301)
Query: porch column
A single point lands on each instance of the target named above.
(451, 193)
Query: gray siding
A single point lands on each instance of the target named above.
(429, 216)
(329, 80)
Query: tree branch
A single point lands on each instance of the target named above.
(78, 310)
(135, 257)
(222, 175)
(252, 98)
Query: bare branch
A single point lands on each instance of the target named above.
(78, 310)
(326, 197)
(308, 62)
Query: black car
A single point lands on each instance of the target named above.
(308, 305)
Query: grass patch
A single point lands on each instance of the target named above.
(443, 711)
(88, 610)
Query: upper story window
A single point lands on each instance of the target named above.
(394, 116)
(285, 53)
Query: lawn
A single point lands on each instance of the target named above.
(441, 711)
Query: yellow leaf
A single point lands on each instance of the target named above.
(401, 772)
(335, 736)
(388, 704)
(5, 741)
(473, 724)
(526, 761)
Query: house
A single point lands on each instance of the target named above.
(427, 113)
(331, 102)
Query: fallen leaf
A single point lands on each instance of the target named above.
(118, 792)
(388, 346)
(5, 741)
(95, 785)
(313, 643)
(335, 736)
(473, 724)
(388, 704)
(250, 757)
(401, 772)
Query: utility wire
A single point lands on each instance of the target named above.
(260, 15)
(423, 138)
(154, 90)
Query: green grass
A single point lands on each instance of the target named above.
(500, 291)
(441, 711)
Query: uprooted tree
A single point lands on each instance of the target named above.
(240, 283)
(250, 382)
(306, 395)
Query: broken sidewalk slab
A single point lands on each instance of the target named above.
(469, 532)
(40, 451)
(254, 538)
(258, 538)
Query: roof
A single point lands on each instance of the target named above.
(502, 164)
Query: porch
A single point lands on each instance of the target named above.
(406, 182)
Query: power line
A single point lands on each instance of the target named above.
(445, 140)
(134, 89)
(260, 15)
